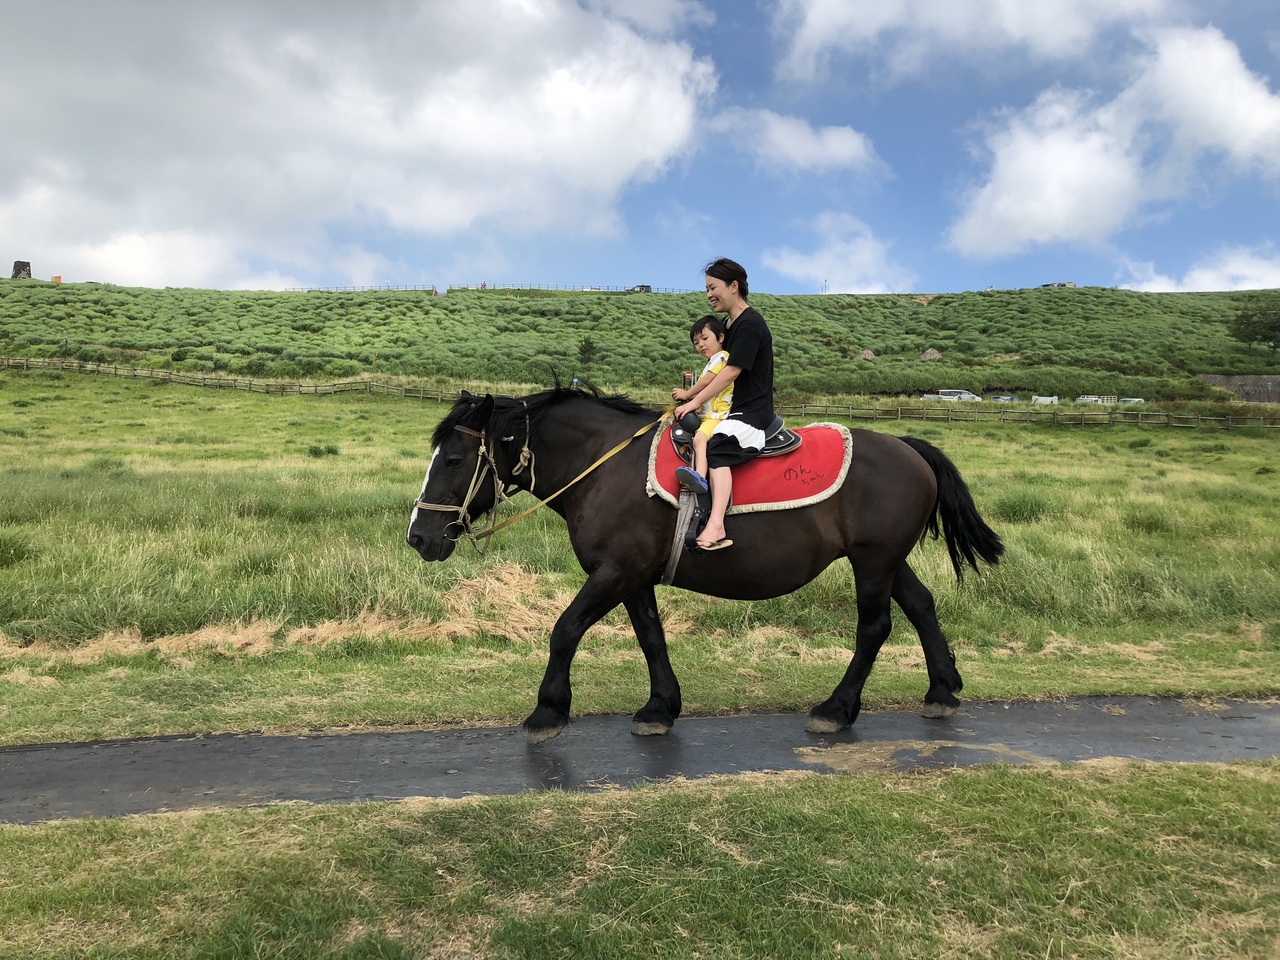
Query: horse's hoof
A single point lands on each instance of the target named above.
(936, 711)
(543, 734)
(823, 725)
(648, 728)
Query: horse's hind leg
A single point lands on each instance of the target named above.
(658, 715)
(944, 679)
(874, 623)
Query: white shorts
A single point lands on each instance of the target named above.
(748, 437)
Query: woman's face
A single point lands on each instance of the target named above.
(721, 295)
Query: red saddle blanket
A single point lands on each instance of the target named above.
(809, 474)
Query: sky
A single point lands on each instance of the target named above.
(837, 146)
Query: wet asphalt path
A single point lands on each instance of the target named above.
(114, 778)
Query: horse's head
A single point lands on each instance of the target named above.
(460, 485)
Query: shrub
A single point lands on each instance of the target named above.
(1024, 506)
(1147, 519)
(14, 549)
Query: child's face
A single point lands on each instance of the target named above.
(707, 343)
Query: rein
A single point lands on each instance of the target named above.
(485, 465)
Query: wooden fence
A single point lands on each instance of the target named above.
(247, 384)
(960, 413)
(1082, 418)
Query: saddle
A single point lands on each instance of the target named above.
(804, 467)
(777, 439)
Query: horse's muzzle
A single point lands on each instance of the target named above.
(429, 550)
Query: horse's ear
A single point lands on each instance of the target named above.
(465, 394)
(478, 416)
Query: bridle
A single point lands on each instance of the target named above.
(486, 467)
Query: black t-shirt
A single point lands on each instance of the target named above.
(750, 346)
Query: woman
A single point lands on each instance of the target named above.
(740, 436)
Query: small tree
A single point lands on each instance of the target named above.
(1257, 324)
(587, 351)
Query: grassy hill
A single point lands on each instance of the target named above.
(1051, 341)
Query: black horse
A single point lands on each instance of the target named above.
(896, 491)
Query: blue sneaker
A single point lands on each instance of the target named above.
(691, 479)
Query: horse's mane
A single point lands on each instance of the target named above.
(509, 412)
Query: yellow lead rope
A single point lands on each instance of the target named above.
(486, 534)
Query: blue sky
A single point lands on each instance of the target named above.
(828, 145)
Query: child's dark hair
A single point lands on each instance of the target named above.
(710, 320)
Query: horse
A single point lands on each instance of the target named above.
(897, 491)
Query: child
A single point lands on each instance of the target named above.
(707, 335)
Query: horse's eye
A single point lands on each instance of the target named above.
(453, 462)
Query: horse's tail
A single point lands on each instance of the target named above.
(967, 534)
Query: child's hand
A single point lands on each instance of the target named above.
(683, 409)
(679, 395)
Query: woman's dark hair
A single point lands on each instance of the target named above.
(710, 320)
(726, 270)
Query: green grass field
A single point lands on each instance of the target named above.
(178, 560)
(1107, 861)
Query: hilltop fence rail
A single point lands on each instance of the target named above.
(486, 286)
(939, 414)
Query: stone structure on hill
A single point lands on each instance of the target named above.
(931, 354)
(867, 355)
(21, 270)
(1254, 388)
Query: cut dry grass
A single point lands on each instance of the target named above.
(508, 603)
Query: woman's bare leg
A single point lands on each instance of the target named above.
(721, 486)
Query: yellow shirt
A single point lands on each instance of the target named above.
(717, 408)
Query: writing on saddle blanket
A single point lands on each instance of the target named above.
(809, 474)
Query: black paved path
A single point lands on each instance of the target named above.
(113, 778)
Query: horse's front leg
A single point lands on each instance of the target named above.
(598, 596)
(660, 713)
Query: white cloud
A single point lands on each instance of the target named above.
(1196, 83)
(681, 221)
(662, 17)
(1068, 169)
(851, 259)
(1061, 171)
(791, 144)
(910, 35)
(1233, 268)
(224, 138)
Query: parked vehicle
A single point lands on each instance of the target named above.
(1132, 400)
(961, 396)
(1002, 398)
(1053, 400)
